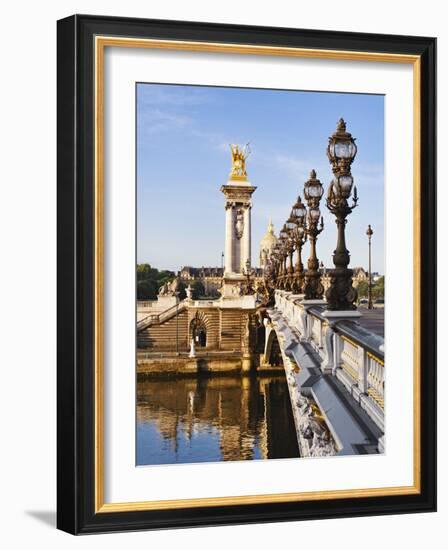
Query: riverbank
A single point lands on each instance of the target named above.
(178, 365)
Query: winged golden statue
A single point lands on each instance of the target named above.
(239, 156)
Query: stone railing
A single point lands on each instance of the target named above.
(204, 303)
(161, 317)
(146, 304)
(158, 315)
(375, 379)
(147, 321)
(344, 348)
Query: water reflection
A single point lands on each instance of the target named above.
(214, 419)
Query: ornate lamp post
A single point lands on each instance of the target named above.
(291, 226)
(369, 234)
(273, 261)
(276, 255)
(313, 192)
(277, 264)
(297, 224)
(281, 266)
(267, 289)
(248, 272)
(284, 251)
(341, 152)
(290, 252)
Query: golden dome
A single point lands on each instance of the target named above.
(269, 240)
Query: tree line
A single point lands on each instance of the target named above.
(377, 289)
(150, 279)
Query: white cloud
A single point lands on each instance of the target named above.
(154, 120)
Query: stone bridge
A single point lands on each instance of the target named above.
(335, 373)
(333, 365)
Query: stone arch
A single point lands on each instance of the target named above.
(260, 338)
(272, 352)
(199, 327)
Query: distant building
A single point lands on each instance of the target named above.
(210, 277)
(360, 275)
(267, 243)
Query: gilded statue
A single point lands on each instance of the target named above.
(239, 156)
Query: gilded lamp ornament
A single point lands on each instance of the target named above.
(341, 152)
(313, 191)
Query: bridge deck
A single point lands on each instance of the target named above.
(373, 320)
(350, 425)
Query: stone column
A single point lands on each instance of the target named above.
(229, 239)
(246, 252)
(337, 351)
(363, 369)
(327, 363)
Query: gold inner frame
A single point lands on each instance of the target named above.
(101, 42)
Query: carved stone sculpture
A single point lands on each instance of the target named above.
(239, 224)
(169, 288)
(313, 429)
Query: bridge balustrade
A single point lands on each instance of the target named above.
(346, 350)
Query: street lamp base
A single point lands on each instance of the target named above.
(341, 295)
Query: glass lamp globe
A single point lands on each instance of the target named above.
(292, 222)
(299, 210)
(344, 149)
(342, 145)
(315, 191)
(345, 185)
(313, 188)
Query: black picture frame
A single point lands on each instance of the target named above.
(76, 273)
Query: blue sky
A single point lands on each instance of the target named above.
(183, 158)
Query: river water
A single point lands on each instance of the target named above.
(213, 419)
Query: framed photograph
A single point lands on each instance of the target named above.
(246, 274)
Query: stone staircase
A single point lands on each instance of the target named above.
(154, 319)
(167, 333)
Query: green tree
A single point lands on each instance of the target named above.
(149, 281)
(363, 289)
(146, 272)
(198, 290)
(378, 289)
(147, 290)
(181, 289)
